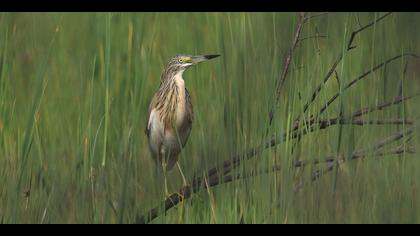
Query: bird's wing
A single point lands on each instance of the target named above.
(190, 112)
(148, 123)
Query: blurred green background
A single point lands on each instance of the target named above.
(74, 92)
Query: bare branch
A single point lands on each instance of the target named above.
(354, 33)
(397, 121)
(228, 165)
(325, 123)
(186, 192)
(362, 153)
(396, 151)
(334, 66)
(396, 100)
(397, 136)
(215, 179)
(287, 62)
(293, 133)
(357, 114)
(338, 60)
(317, 15)
(375, 149)
(365, 74)
(332, 160)
(317, 90)
(313, 37)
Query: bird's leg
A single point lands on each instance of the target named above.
(182, 174)
(166, 181)
(164, 175)
(177, 163)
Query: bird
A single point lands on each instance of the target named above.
(170, 114)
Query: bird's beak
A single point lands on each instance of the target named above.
(201, 58)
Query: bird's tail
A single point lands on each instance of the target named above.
(171, 163)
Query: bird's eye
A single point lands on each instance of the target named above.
(181, 60)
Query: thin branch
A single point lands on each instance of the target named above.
(216, 179)
(339, 160)
(362, 153)
(397, 121)
(287, 62)
(334, 66)
(317, 15)
(318, 89)
(396, 151)
(397, 136)
(365, 74)
(186, 192)
(363, 111)
(338, 60)
(331, 160)
(325, 123)
(354, 33)
(375, 149)
(313, 37)
(396, 100)
(313, 97)
(232, 163)
(228, 165)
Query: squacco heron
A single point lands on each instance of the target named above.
(170, 114)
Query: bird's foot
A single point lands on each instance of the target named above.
(167, 194)
(180, 196)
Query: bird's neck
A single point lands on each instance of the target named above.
(170, 73)
(178, 76)
(172, 88)
(172, 94)
(174, 79)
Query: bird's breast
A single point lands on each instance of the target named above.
(181, 109)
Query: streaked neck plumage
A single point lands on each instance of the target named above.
(171, 92)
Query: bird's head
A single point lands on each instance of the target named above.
(181, 62)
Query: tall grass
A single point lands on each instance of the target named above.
(75, 88)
